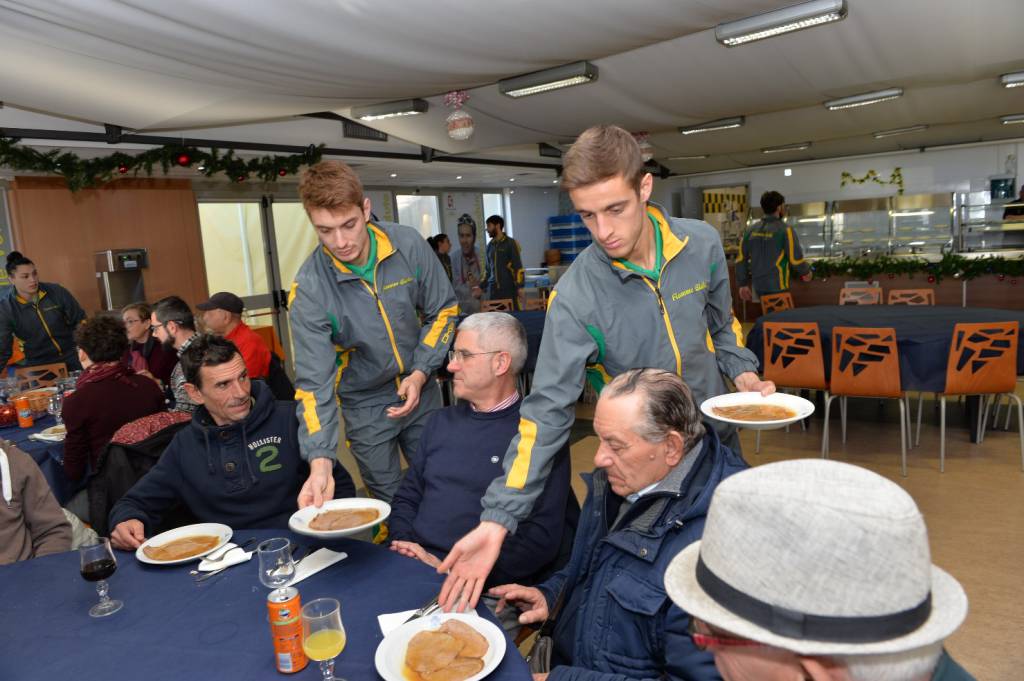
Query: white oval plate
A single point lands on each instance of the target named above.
(390, 656)
(299, 521)
(55, 431)
(802, 407)
(223, 532)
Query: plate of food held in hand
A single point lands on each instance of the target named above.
(183, 544)
(339, 517)
(757, 412)
(441, 647)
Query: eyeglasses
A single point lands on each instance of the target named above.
(461, 356)
(154, 327)
(704, 636)
(132, 321)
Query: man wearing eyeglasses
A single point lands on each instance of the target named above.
(175, 327)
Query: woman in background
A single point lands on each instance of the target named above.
(442, 246)
(145, 353)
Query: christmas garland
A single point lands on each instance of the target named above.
(895, 178)
(951, 265)
(83, 173)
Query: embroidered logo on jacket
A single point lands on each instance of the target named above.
(693, 289)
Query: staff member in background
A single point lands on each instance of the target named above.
(355, 310)
(769, 251)
(442, 245)
(467, 267)
(222, 315)
(145, 353)
(504, 264)
(41, 314)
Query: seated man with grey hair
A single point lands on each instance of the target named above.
(657, 467)
(818, 570)
(461, 452)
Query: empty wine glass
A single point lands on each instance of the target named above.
(55, 406)
(277, 569)
(323, 634)
(98, 563)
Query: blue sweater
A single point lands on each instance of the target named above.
(460, 453)
(244, 475)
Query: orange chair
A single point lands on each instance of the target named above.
(865, 363)
(982, 361)
(911, 296)
(793, 358)
(496, 305)
(773, 302)
(536, 304)
(40, 375)
(269, 336)
(860, 296)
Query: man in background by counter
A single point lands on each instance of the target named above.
(222, 315)
(770, 250)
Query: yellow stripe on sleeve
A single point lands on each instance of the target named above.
(309, 410)
(737, 329)
(430, 340)
(521, 466)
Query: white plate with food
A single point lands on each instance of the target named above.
(183, 544)
(757, 412)
(339, 517)
(452, 646)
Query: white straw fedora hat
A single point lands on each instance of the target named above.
(819, 558)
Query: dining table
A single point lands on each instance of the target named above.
(171, 628)
(48, 455)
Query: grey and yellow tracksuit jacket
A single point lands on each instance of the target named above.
(768, 252)
(46, 327)
(505, 273)
(355, 342)
(604, 319)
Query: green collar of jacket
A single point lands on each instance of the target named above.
(658, 260)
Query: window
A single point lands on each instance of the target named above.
(420, 212)
(494, 204)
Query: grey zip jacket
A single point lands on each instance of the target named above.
(604, 319)
(355, 342)
(770, 250)
(46, 326)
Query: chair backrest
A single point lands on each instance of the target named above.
(278, 381)
(860, 296)
(269, 336)
(865, 362)
(496, 305)
(793, 356)
(773, 302)
(40, 375)
(911, 296)
(536, 304)
(982, 359)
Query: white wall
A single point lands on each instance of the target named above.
(529, 210)
(966, 168)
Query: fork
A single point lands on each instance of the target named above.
(223, 552)
(427, 609)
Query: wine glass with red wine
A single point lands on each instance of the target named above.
(98, 563)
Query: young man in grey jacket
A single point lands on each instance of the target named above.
(651, 291)
(355, 312)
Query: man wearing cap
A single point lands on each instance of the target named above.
(222, 315)
(818, 570)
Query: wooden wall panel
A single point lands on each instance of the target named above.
(60, 231)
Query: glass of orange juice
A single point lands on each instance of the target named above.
(323, 634)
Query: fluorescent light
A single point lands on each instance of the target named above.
(912, 213)
(898, 131)
(864, 99)
(556, 78)
(816, 246)
(811, 220)
(458, 177)
(719, 124)
(799, 146)
(777, 22)
(376, 112)
(555, 181)
(1011, 119)
(788, 172)
(695, 157)
(394, 174)
(1012, 79)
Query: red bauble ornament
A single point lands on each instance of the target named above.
(183, 160)
(1000, 277)
(892, 276)
(240, 178)
(1013, 282)
(282, 172)
(931, 279)
(122, 169)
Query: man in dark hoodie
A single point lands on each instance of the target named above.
(237, 463)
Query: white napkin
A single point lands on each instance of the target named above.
(42, 437)
(315, 562)
(390, 622)
(234, 556)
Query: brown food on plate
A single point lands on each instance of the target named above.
(755, 412)
(460, 669)
(452, 653)
(186, 547)
(476, 644)
(429, 651)
(343, 519)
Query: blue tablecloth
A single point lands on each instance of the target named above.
(172, 630)
(923, 334)
(49, 456)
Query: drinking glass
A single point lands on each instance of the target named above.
(98, 563)
(277, 569)
(55, 406)
(323, 634)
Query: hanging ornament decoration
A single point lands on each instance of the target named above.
(895, 178)
(84, 173)
(931, 278)
(951, 265)
(460, 123)
(646, 150)
(1001, 276)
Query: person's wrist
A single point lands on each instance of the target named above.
(321, 465)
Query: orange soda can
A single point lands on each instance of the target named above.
(286, 629)
(25, 419)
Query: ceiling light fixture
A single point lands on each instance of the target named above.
(458, 177)
(777, 22)
(1011, 119)
(799, 146)
(898, 131)
(1012, 79)
(403, 107)
(811, 220)
(567, 75)
(864, 99)
(394, 174)
(720, 124)
(695, 157)
(912, 213)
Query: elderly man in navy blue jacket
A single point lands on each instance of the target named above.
(236, 463)
(461, 451)
(657, 467)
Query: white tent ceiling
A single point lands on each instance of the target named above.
(245, 70)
